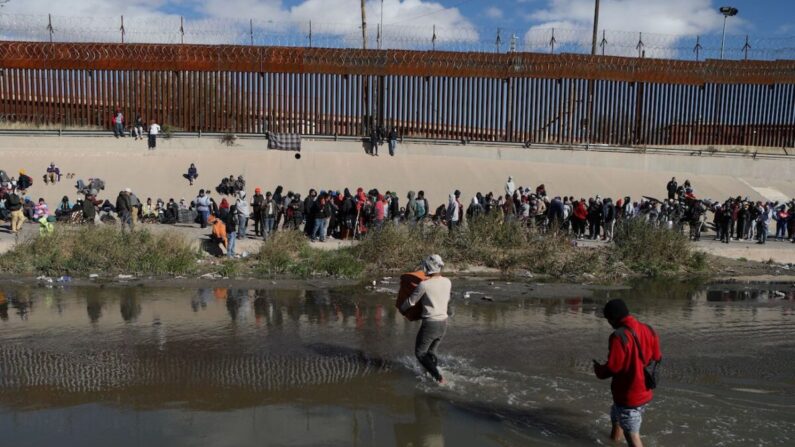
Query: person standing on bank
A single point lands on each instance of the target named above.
(672, 187)
(118, 124)
(433, 295)
(393, 141)
(632, 346)
(154, 130)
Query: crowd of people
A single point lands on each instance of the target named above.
(346, 214)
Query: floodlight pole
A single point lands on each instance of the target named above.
(727, 11)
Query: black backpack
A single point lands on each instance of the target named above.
(12, 201)
(4, 178)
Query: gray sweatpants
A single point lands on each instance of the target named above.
(428, 339)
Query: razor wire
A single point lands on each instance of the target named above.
(177, 30)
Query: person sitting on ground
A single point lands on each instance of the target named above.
(238, 185)
(28, 208)
(107, 207)
(138, 127)
(64, 208)
(160, 210)
(148, 211)
(223, 187)
(40, 210)
(53, 174)
(192, 174)
(172, 212)
(89, 209)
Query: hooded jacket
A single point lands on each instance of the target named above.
(453, 210)
(241, 204)
(624, 364)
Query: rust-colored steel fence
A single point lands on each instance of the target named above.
(515, 97)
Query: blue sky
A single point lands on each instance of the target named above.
(465, 20)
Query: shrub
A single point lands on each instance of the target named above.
(86, 250)
(288, 252)
(652, 250)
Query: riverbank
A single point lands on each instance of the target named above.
(184, 251)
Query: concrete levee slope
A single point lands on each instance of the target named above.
(437, 169)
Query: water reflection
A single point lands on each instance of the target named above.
(346, 353)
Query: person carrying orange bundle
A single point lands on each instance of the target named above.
(432, 296)
(218, 235)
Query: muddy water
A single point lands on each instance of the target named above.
(308, 365)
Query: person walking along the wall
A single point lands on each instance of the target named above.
(393, 141)
(154, 130)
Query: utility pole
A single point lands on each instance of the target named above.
(595, 27)
(381, 27)
(364, 27)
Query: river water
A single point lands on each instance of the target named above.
(307, 364)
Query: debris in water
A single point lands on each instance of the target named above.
(487, 298)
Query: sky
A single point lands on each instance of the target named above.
(467, 20)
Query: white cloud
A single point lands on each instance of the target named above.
(494, 13)
(225, 21)
(662, 22)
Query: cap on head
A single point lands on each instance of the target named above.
(127, 190)
(432, 264)
(616, 310)
(258, 190)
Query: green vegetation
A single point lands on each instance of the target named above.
(289, 253)
(509, 247)
(654, 251)
(487, 241)
(86, 250)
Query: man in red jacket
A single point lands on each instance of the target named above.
(632, 346)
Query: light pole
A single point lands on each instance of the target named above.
(727, 11)
(381, 26)
(595, 27)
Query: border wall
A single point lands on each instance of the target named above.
(528, 98)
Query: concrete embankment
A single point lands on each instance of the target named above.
(437, 169)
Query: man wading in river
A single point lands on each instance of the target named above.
(632, 346)
(433, 295)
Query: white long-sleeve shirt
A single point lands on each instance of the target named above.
(434, 295)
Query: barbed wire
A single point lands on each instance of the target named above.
(175, 29)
